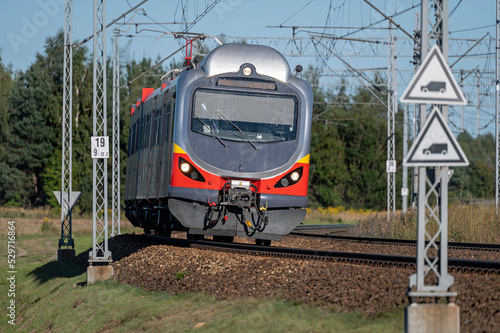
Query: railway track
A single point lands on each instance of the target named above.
(325, 232)
(354, 258)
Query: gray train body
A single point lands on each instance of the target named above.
(223, 149)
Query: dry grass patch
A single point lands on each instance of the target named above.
(474, 223)
(332, 215)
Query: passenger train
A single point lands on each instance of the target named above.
(222, 149)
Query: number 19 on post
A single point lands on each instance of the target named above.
(100, 147)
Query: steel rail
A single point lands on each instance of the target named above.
(388, 241)
(354, 258)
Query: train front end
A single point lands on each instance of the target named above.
(240, 161)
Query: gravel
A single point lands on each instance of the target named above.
(371, 290)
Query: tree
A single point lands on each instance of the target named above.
(6, 174)
(478, 179)
(29, 144)
(349, 149)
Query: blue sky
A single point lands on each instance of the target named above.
(27, 23)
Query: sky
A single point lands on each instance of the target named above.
(26, 24)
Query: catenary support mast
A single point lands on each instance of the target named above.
(497, 109)
(432, 233)
(392, 107)
(66, 239)
(115, 185)
(100, 252)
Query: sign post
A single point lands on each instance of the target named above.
(100, 256)
(435, 147)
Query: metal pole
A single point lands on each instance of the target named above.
(417, 56)
(404, 190)
(497, 109)
(445, 279)
(478, 104)
(115, 203)
(433, 192)
(66, 183)
(392, 105)
(100, 252)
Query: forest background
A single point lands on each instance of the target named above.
(348, 146)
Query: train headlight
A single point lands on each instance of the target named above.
(247, 70)
(290, 178)
(294, 176)
(185, 167)
(189, 170)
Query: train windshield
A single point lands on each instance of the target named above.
(244, 116)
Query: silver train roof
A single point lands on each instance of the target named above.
(228, 58)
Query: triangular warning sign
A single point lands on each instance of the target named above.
(433, 83)
(435, 145)
(75, 195)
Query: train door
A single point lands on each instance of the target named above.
(168, 149)
(161, 143)
(138, 150)
(151, 161)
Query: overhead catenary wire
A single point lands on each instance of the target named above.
(151, 68)
(360, 75)
(471, 29)
(196, 20)
(152, 19)
(307, 4)
(369, 26)
(200, 16)
(467, 53)
(470, 49)
(109, 24)
(392, 21)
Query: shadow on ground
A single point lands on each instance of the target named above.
(54, 269)
(120, 246)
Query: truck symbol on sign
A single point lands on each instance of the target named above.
(436, 148)
(434, 86)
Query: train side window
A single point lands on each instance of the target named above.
(162, 125)
(151, 129)
(148, 131)
(167, 122)
(129, 151)
(132, 140)
(150, 120)
(141, 134)
(136, 135)
(157, 126)
(144, 132)
(158, 136)
(153, 120)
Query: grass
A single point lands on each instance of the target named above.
(49, 297)
(38, 213)
(474, 223)
(108, 307)
(336, 215)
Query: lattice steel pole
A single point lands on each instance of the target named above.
(67, 114)
(497, 108)
(432, 233)
(115, 203)
(392, 107)
(100, 252)
(417, 57)
(404, 188)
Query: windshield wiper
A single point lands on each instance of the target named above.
(211, 131)
(239, 130)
